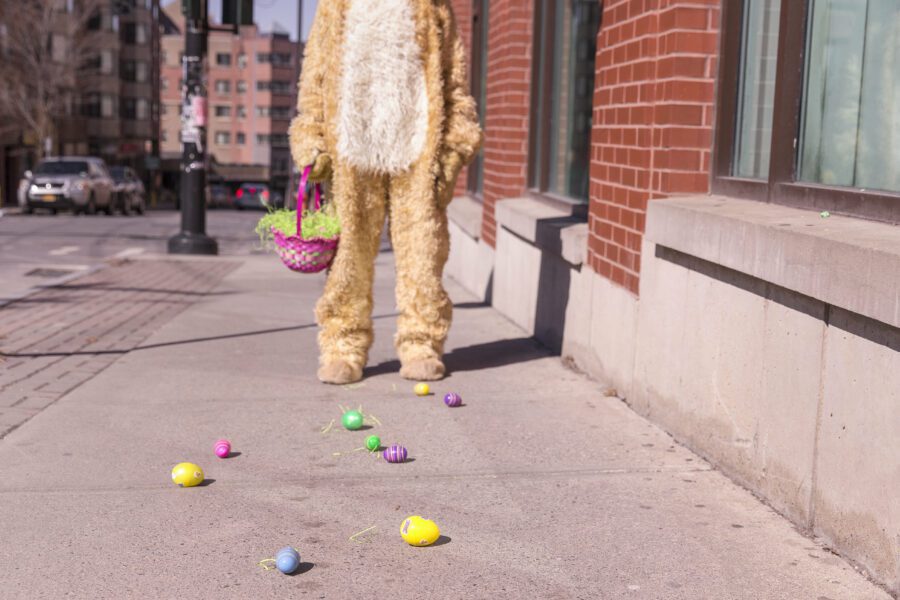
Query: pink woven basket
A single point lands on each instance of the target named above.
(302, 255)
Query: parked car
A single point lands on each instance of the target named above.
(82, 184)
(252, 195)
(130, 192)
(219, 196)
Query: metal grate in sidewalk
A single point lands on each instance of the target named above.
(54, 340)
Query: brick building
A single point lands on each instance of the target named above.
(252, 94)
(649, 203)
(113, 111)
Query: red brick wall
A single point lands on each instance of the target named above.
(508, 99)
(653, 115)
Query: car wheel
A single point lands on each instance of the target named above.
(27, 209)
(140, 206)
(110, 209)
(126, 206)
(91, 206)
(52, 211)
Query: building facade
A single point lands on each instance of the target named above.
(252, 96)
(696, 201)
(114, 107)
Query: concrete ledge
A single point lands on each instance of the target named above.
(466, 212)
(844, 262)
(553, 227)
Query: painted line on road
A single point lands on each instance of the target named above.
(128, 252)
(63, 251)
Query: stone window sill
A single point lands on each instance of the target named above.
(551, 226)
(466, 212)
(845, 262)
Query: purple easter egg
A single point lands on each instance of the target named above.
(222, 448)
(453, 399)
(394, 454)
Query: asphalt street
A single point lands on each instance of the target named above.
(42, 249)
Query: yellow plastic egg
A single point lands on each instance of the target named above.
(422, 389)
(187, 474)
(417, 531)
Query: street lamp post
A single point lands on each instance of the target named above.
(193, 239)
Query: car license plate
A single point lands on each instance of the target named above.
(49, 198)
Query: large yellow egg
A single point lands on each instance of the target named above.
(187, 474)
(422, 389)
(417, 531)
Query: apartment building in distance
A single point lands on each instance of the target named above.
(252, 84)
(114, 107)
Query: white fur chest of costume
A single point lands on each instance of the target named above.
(383, 105)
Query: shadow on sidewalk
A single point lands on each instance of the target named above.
(476, 357)
(198, 340)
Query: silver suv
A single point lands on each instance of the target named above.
(82, 184)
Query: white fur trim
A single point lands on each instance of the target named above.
(383, 105)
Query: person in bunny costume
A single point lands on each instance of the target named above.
(385, 113)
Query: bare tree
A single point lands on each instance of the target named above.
(44, 46)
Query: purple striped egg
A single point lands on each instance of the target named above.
(222, 448)
(453, 399)
(394, 454)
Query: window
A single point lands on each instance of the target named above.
(562, 96)
(241, 112)
(828, 139)
(276, 87)
(223, 59)
(223, 138)
(126, 68)
(241, 87)
(263, 111)
(242, 60)
(278, 59)
(222, 111)
(480, 27)
(133, 33)
(129, 108)
(164, 83)
(142, 109)
(241, 138)
(263, 139)
(223, 86)
(141, 71)
(282, 113)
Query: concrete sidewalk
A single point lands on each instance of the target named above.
(544, 487)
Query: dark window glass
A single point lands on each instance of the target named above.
(756, 88)
(850, 133)
(564, 96)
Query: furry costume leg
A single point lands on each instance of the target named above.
(344, 312)
(421, 245)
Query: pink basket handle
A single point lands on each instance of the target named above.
(301, 197)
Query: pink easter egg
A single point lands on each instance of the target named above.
(222, 448)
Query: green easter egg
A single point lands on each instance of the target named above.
(373, 443)
(352, 420)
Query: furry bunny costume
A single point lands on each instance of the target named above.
(385, 111)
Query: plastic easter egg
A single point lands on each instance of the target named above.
(287, 560)
(352, 420)
(373, 443)
(394, 453)
(187, 474)
(422, 389)
(417, 531)
(452, 399)
(222, 448)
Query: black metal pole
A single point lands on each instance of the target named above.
(193, 239)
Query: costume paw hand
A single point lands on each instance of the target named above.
(321, 169)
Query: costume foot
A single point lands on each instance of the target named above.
(426, 369)
(339, 372)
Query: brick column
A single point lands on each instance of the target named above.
(508, 100)
(653, 119)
